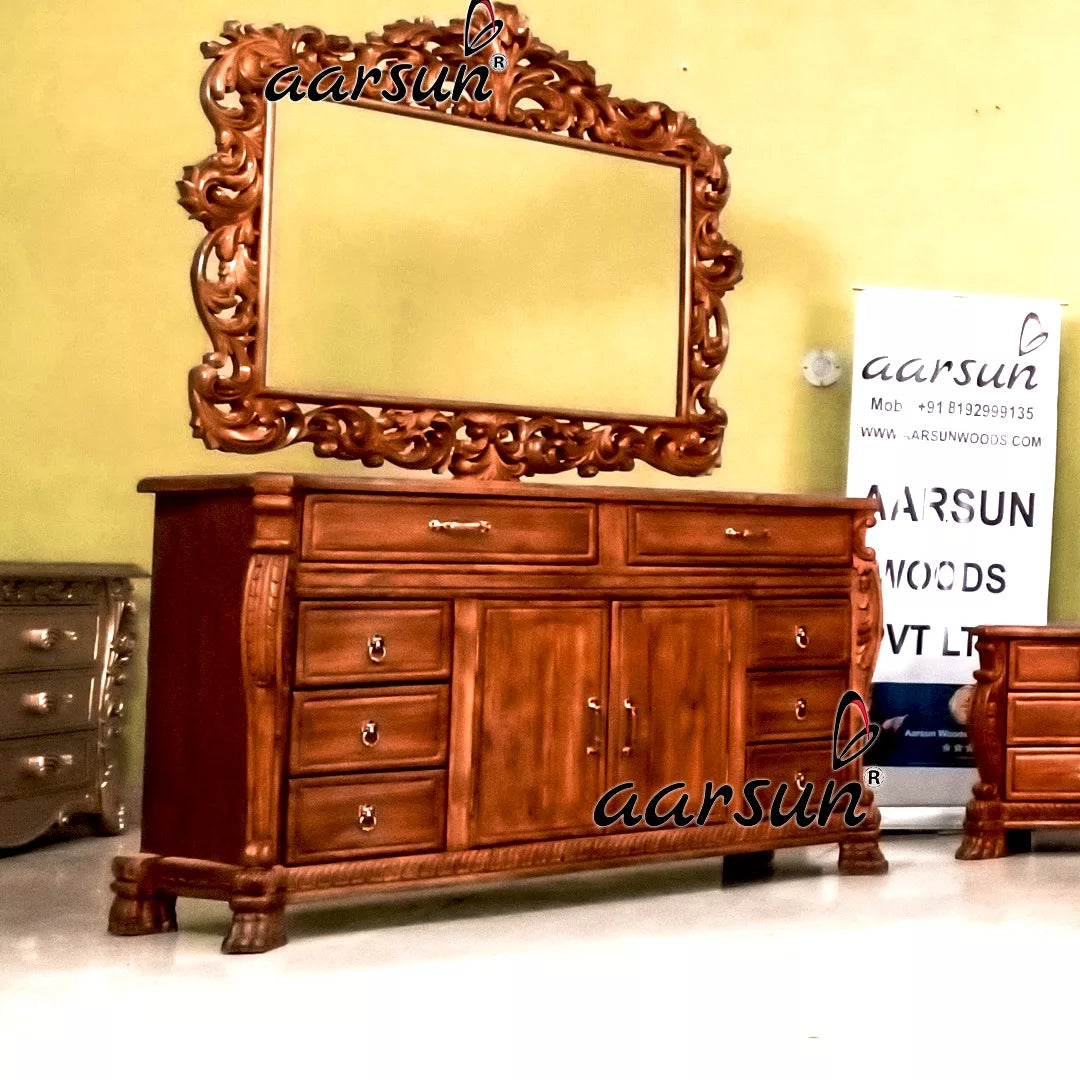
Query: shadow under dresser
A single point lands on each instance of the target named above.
(65, 643)
(361, 685)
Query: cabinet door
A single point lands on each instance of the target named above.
(540, 733)
(669, 701)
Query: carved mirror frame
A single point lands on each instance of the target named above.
(542, 94)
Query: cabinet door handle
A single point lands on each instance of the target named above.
(43, 703)
(802, 638)
(376, 648)
(482, 527)
(746, 534)
(631, 727)
(369, 733)
(366, 817)
(800, 708)
(800, 780)
(597, 711)
(48, 637)
(43, 764)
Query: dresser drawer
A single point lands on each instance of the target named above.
(663, 535)
(1043, 718)
(384, 528)
(45, 701)
(44, 763)
(381, 642)
(793, 705)
(792, 634)
(1043, 774)
(342, 731)
(792, 764)
(1045, 664)
(340, 818)
(33, 638)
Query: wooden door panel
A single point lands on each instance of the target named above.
(671, 668)
(539, 758)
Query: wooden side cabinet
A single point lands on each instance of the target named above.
(1025, 730)
(369, 685)
(66, 638)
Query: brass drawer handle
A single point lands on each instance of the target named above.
(482, 527)
(802, 638)
(631, 725)
(48, 637)
(43, 703)
(43, 764)
(376, 648)
(597, 711)
(800, 780)
(800, 708)
(369, 733)
(746, 534)
(367, 818)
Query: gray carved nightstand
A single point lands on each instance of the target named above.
(66, 636)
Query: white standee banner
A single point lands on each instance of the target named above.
(954, 428)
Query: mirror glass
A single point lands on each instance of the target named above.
(436, 262)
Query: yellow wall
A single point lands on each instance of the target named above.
(892, 142)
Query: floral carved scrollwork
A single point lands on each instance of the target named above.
(541, 91)
(867, 629)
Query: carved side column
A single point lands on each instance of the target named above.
(984, 831)
(862, 854)
(118, 643)
(266, 631)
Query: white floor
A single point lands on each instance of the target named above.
(940, 967)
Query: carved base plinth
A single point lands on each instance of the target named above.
(138, 907)
(861, 857)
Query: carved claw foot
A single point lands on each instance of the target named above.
(860, 857)
(258, 907)
(138, 907)
(747, 866)
(254, 931)
(983, 844)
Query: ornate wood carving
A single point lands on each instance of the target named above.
(984, 831)
(541, 92)
(866, 610)
(119, 644)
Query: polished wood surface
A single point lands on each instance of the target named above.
(476, 709)
(542, 95)
(1025, 729)
(66, 640)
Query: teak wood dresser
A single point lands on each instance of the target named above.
(363, 685)
(1025, 728)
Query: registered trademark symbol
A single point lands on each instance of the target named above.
(497, 62)
(873, 776)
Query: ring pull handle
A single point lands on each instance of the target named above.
(44, 703)
(746, 534)
(597, 711)
(631, 727)
(48, 637)
(376, 648)
(800, 780)
(800, 708)
(366, 817)
(802, 638)
(43, 764)
(482, 527)
(369, 733)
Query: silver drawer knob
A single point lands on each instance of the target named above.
(376, 648)
(482, 527)
(44, 703)
(44, 764)
(48, 637)
(367, 818)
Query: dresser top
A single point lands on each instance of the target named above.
(70, 571)
(284, 483)
(1053, 631)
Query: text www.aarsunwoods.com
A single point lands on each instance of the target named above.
(939, 435)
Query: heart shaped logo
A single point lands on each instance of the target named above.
(487, 34)
(1032, 335)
